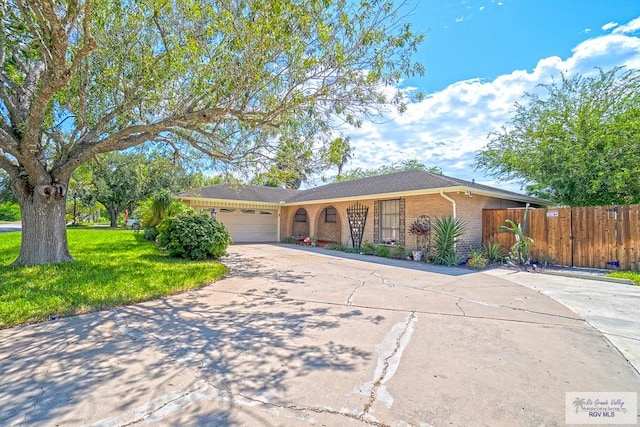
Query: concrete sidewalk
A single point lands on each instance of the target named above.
(612, 308)
(302, 337)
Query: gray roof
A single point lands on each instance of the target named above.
(414, 180)
(245, 193)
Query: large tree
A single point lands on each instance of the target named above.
(577, 142)
(223, 77)
(123, 179)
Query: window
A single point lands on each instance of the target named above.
(248, 211)
(330, 215)
(390, 222)
(266, 213)
(301, 216)
(227, 210)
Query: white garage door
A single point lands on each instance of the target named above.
(250, 225)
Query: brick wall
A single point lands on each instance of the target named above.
(468, 209)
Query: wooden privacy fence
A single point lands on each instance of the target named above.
(593, 237)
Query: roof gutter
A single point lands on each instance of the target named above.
(453, 202)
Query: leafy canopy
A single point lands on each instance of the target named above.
(578, 144)
(224, 78)
(403, 165)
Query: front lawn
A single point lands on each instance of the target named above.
(113, 268)
(634, 276)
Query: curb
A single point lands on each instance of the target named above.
(589, 277)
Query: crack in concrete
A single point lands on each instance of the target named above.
(349, 302)
(386, 364)
(151, 412)
(435, 313)
(299, 408)
(382, 279)
(458, 305)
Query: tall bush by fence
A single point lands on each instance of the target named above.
(591, 237)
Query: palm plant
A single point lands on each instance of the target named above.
(520, 249)
(446, 232)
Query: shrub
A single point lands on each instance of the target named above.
(194, 236)
(335, 246)
(382, 251)
(157, 208)
(367, 248)
(398, 252)
(477, 259)
(446, 232)
(9, 212)
(494, 252)
(289, 240)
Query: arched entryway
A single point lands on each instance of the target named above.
(300, 224)
(328, 225)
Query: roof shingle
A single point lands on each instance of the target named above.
(406, 181)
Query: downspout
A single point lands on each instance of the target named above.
(278, 237)
(453, 208)
(453, 202)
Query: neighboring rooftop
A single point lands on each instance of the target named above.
(399, 182)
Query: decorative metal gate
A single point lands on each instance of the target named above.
(357, 215)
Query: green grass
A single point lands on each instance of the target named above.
(634, 276)
(113, 268)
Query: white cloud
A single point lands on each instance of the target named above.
(609, 25)
(448, 127)
(629, 28)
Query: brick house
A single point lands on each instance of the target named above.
(386, 204)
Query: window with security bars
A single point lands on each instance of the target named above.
(330, 215)
(390, 222)
(300, 216)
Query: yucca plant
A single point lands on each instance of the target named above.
(446, 231)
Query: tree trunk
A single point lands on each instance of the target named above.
(113, 214)
(44, 231)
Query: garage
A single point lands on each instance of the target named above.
(250, 225)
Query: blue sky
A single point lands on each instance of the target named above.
(481, 56)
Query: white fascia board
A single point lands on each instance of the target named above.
(203, 202)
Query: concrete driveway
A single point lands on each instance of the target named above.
(300, 337)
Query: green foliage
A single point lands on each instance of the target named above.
(520, 249)
(446, 231)
(494, 252)
(9, 212)
(367, 248)
(382, 251)
(289, 239)
(225, 80)
(154, 210)
(112, 268)
(398, 252)
(404, 165)
(634, 276)
(335, 246)
(194, 236)
(338, 154)
(576, 145)
(477, 259)
(6, 192)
